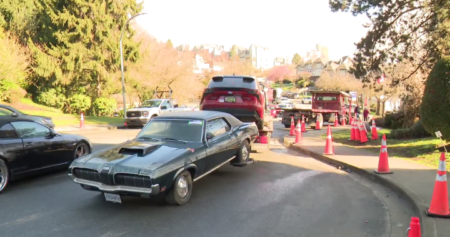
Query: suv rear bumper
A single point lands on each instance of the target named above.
(242, 114)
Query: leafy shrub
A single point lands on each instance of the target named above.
(416, 131)
(104, 106)
(380, 122)
(11, 92)
(394, 120)
(79, 103)
(286, 81)
(52, 98)
(435, 108)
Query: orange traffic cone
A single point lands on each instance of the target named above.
(292, 132)
(298, 133)
(82, 120)
(439, 200)
(414, 227)
(336, 122)
(363, 132)
(303, 124)
(383, 164)
(356, 130)
(329, 150)
(374, 130)
(352, 132)
(317, 124)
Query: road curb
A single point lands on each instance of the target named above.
(415, 202)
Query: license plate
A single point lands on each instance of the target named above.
(113, 198)
(230, 99)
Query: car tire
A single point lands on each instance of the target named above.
(4, 175)
(181, 190)
(81, 149)
(243, 155)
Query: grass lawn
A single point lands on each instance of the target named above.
(60, 119)
(421, 150)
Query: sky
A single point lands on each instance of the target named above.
(285, 26)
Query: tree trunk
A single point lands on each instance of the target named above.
(378, 106)
(383, 105)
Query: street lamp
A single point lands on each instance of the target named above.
(121, 63)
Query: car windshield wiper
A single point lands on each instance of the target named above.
(174, 139)
(149, 138)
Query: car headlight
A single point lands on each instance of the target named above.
(145, 113)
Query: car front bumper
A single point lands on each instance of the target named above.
(136, 121)
(117, 189)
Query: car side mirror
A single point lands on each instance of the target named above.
(163, 107)
(209, 136)
(53, 133)
(14, 115)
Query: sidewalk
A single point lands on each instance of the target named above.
(411, 181)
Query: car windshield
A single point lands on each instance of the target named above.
(182, 129)
(150, 104)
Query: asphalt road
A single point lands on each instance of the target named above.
(283, 194)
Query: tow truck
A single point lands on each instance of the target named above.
(324, 107)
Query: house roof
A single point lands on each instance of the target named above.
(319, 60)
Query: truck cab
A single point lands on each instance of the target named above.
(149, 109)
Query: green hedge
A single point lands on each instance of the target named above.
(435, 108)
(414, 132)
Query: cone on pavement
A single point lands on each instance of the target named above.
(329, 150)
(317, 124)
(363, 132)
(292, 132)
(439, 206)
(298, 133)
(303, 124)
(374, 130)
(414, 227)
(82, 120)
(383, 163)
(352, 131)
(356, 130)
(336, 122)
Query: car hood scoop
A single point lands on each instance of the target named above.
(139, 150)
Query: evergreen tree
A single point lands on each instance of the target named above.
(85, 56)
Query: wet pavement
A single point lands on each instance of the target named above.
(282, 194)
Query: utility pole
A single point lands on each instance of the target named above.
(121, 64)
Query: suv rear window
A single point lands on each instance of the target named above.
(233, 82)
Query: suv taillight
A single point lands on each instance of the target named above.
(254, 93)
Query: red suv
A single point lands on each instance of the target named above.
(240, 96)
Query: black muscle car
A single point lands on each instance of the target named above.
(167, 156)
(28, 147)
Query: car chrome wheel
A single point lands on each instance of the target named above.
(182, 187)
(3, 175)
(244, 152)
(81, 150)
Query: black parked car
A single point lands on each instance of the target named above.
(170, 153)
(28, 148)
(8, 111)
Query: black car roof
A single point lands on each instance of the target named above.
(4, 120)
(200, 115)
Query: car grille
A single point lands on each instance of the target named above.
(87, 174)
(134, 114)
(133, 180)
(138, 181)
